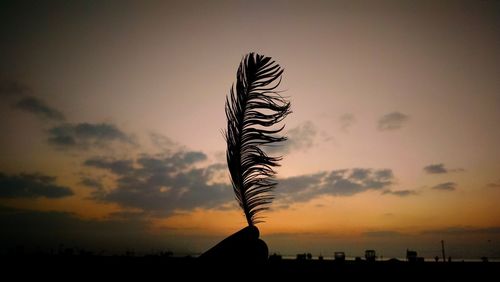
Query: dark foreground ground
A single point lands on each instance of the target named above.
(156, 268)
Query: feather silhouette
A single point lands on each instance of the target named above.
(252, 109)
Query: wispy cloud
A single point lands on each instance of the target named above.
(23, 100)
(399, 193)
(464, 230)
(446, 186)
(300, 138)
(86, 135)
(39, 108)
(345, 182)
(91, 182)
(181, 181)
(79, 136)
(26, 185)
(13, 88)
(392, 121)
(161, 142)
(161, 184)
(346, 121)
(119, 167)
(382, 233)
(440, 169)
(435, 169)
(494, 184)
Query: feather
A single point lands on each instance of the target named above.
(252, 109)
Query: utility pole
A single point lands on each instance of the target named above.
(442, 250)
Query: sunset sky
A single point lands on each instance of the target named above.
(112, 115)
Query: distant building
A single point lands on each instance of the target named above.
(301, 256)
(275, 257)
(411, 256)
(339, 256)
(307, 256)
(370, 255)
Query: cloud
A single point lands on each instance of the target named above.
(452, 230)
(440, 168)
(300, 188)
(346, 121)
(163, 184)
(300, 138)
(71, 136)
(446, 186)
(31, 186)
(461, 230)
(345, 182)
(435, 169)
(382, 233)
(392, 121)
(13, 88)
(119, 167)
(86, 135)
(162, 142)
(493, 184)
(400, 193)
(91, 182)
(160, 184)
(39, 108)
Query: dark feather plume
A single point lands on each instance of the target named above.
(252, 108)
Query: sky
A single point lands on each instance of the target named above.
(112, 119)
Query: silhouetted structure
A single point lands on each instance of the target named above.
(275, 257)
(442, 250)
(150, 267)
(370, 255)
(411, 256)
(301, 256)
(339, 256)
